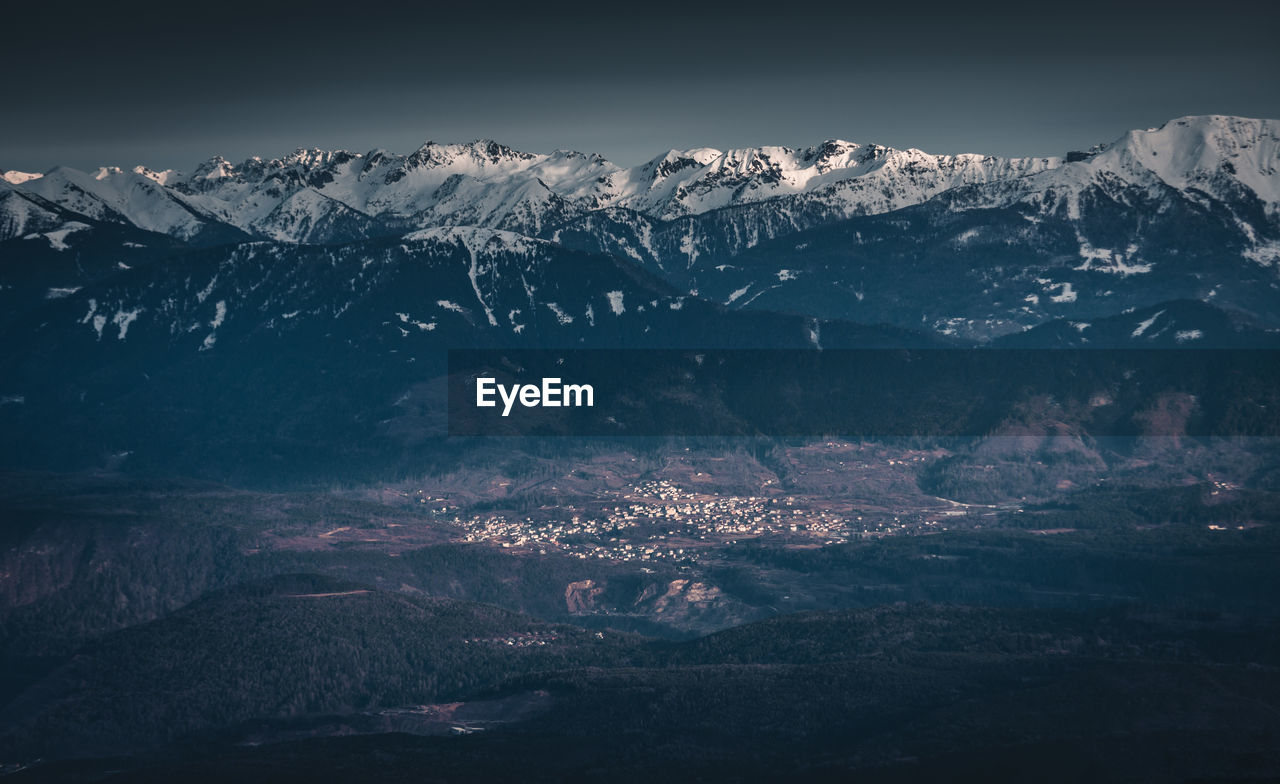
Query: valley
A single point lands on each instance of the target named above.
(682, 594)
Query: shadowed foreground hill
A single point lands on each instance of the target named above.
(890, 693)
(288, 646)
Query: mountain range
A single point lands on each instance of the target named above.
(313, 294)
(968, 245)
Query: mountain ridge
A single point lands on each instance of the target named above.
(1187, 210)
(860, 178)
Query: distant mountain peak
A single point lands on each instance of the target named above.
(216, 167)
(14, 177)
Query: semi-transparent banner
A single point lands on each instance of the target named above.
(874, 392)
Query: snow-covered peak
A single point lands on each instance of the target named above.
(870, 178)
(1205, 152)
(574, 155)
(673, 161)
(164, 177)
(112, 194)
(308, 158)
(1205, 157)
(17, 178)
(216, 168)
(833, 154)
(752, 159)
(481, 153)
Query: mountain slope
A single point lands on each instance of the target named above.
(1188, 210)
(1177, 324)
(117, 196)
(269, 356)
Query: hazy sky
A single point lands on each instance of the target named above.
(168, 86)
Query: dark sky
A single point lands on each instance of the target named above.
(169, 85)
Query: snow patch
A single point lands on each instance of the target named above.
(123, 319)
(1110, 261)
(219, 313)
(688, 247)
(737, 294)
(1184, 335)
(473, 272)
(615, 302)
(58, 239)
(204, 293)
(58, 292)
(1265, 254)
(1065, 294)
(561, 316)
(1145, 325)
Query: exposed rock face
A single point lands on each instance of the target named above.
(580, 596)
(683, 604)
(684, 595)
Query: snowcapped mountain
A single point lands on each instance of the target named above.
(319, 196)
(855, 179)
(679, 207)
(487, 184)
(966, 245)
(1189, 210)
(1223, 157)
(133, 198)
(1217, 162)
(478, 184)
